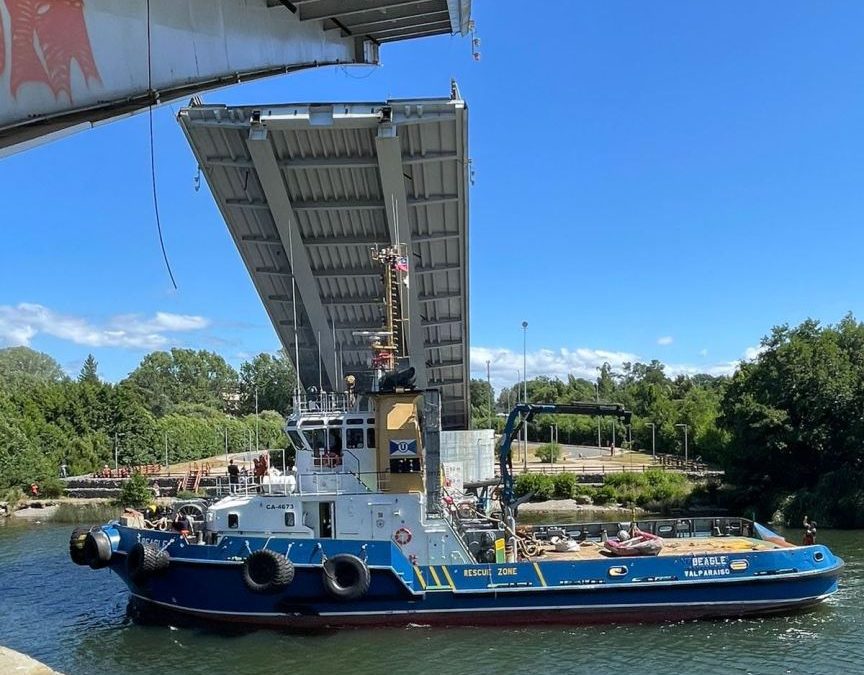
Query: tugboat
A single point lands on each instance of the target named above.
(361, 531)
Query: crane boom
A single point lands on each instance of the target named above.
(522, 413)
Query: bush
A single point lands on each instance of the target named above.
(604, 495)
(549, 453)
(135, 493)
(566, 485)
(190, 494)
(13, 496)
(542, 486)
(52, 487)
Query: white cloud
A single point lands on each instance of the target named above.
(21, 323)
(752, 353)
(582, 362)
(665, 340)
(703, 352)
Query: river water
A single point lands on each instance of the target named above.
(74, 620)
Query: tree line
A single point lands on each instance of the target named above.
(186, 402)
(787, 427)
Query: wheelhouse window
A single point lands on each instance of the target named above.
(289, 519)
(354, 438)
(370, 438)
(233, 520)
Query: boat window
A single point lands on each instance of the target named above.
(370, 438)
(371, 421)
(334, 439)
(405, 465)
(289, 519)
(354, 438)
(233, 520)
(325, 520)
(314, 438)
(355, 420)
(296, 439)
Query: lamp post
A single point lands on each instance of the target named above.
(225, 429)
(489, 386)
(685, 427)
(653, 445)
(597, 400)
(117, 449)
(256, 423)
(525, 387)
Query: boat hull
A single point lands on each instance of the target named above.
(206, 583)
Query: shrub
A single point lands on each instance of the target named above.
(549, 453)
(13, 496)
(604, 495)
(190, 494)
(542, 486)
(52, 487)
(135, 492)
(565, 485)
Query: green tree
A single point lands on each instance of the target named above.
(165, 379)
(20, 366)
(273, 378)
(482, 396)
(89, 371)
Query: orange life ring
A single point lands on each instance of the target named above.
(402, 536)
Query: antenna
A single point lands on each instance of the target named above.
(294, 310)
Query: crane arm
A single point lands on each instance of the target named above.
(522, 413)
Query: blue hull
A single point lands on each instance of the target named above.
(206, 581)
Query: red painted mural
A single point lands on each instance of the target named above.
(46, 37)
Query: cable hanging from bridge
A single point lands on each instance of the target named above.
(153, 150)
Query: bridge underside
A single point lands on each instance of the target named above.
(308, 190)
(72, 65)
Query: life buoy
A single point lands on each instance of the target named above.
(402, 536)
(145, 560)
(266, 571)
(346, 577)
(76, 545)
(97, 549)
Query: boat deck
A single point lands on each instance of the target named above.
(589, 550)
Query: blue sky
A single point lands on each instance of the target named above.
(663, 180)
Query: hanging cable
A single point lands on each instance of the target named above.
(153, 151)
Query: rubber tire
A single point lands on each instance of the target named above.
(346, 577)
(145, 560)
(266, 571)
(97, 549)
(76, 545)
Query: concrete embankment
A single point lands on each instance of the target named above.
(21, 664)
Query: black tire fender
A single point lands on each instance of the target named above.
(265, 571)
(346, 577)
(97, 549)
(145, 560)
(76, 545)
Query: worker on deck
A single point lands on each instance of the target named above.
(233, 476)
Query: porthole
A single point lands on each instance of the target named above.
(818, 556)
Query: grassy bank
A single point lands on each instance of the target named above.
(657, 491)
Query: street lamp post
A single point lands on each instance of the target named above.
(256, 422)
(653, 444)
(685, 427)
(597, 400)
(117, 449)
(525, 387)
(489, 386)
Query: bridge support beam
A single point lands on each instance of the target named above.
(273, 185)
